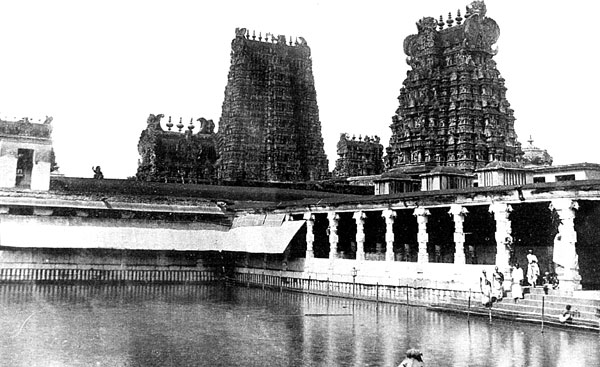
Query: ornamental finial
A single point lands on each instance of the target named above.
(450, 21)
(458, 17)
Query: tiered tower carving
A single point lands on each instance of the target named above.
(358, 157)
(269, 128)
(180, 153)
(453, 109)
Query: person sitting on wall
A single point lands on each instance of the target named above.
(549, 281)
(566, 316)
(97, 173)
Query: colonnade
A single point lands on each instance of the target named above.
(564, 244)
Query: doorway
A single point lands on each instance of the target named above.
(24, 168)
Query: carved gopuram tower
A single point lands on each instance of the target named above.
(453, 110)
(360, 157)
(270, 129)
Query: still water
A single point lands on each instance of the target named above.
(214, 325)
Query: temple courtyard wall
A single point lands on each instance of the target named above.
(437, 238)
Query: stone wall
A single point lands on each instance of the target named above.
(26, 155)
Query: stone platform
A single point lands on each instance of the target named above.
(536, 307)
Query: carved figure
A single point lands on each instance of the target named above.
(240, 32)
(427, 24)
(97, 173)
(154, 121)
(206, 126)
(477, 8)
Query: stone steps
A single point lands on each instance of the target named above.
(551, 309)
(549, 303)
(554, 297)
(586, 310)
(515, 316)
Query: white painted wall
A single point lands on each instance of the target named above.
(40, 175)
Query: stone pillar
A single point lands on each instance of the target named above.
(458, 213)
(389, 216)
(334, 218)
(359, 218)
(565, 255)
(310, 235)
(422, 236)
(503, 235)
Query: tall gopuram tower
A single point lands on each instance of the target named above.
(270, 129)
(453, 110)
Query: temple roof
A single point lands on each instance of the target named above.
(394, 175)
(535, 156)
(503, 165)
(447, 170)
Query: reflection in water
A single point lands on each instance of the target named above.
(213, 325)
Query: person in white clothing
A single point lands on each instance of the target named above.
(517, 280)
(533, 269)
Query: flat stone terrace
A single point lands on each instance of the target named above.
(538, 192)
(86, 190)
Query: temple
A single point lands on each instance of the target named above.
(26, 153)
(269, 129)
(358, 157)
(187, 154)
(453, 109)
(459, 195)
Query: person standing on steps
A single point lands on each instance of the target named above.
(486, 289)
(517, 282)
(533, 269)
(498, 284)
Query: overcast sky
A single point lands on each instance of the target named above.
(100, 68)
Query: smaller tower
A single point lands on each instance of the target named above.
(185, 155)
(534, 156)
(26, 157)
(358, 157)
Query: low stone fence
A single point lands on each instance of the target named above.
(409, 294)
(146, 275)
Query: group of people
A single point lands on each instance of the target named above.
(493, 289)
